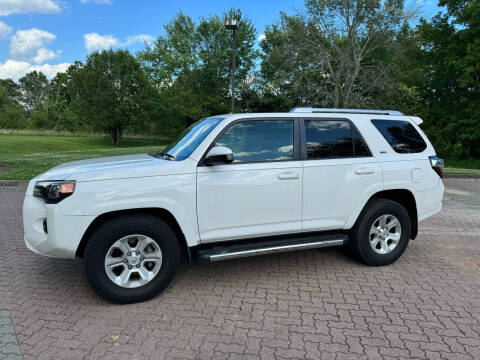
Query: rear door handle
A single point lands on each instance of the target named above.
(362, 171)
(288, 175)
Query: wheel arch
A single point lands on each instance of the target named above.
(161, 213)
(405, 198)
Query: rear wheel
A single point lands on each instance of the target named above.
(131, 258)
(381, 233)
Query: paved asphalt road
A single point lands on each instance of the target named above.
(311, 304)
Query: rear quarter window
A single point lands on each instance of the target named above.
(401, 135)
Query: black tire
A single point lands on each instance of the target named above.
(360, 233)
(114, 229)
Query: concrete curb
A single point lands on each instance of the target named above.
(17, 183)
(9, 348)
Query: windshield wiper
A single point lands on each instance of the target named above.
(163, 154)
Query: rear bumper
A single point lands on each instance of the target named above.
(64, 232)
(429, 202)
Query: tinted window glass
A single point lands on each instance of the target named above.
(360, 147)
(259, 140)
(191, 137)
(401, 135)
(327, 138)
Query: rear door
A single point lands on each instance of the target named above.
(338, 170)
(260, 193)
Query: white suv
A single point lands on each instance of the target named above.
(239, 185)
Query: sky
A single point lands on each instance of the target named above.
(49, 35)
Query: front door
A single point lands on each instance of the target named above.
(260, 193)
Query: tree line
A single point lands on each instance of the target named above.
(337, 53)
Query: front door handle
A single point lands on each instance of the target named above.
(288, 175)
(364, 171)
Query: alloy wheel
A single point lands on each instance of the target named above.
(133, 261)
(385, 234)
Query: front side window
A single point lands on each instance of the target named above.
(259, 140)
(401, 135)
(333, 139)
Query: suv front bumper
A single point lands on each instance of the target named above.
(64, 232)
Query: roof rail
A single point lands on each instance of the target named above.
(344, 111)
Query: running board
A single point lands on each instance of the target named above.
(257, 247)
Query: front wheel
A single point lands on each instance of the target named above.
(381, 233)
(131, 258)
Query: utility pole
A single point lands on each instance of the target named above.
(232, 24)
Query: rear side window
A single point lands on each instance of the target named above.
(401, 135)
(333, 139)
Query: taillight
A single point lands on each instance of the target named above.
(437, 165)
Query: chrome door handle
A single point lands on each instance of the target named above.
(288, 175)
(364, 171)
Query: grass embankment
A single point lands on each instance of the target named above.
(22, 157)
(470, 167)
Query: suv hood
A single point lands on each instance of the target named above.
(115, 167)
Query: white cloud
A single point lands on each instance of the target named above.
(5, 31)
(16, 69)
(143, 38)
(94, 41)
(8, 7)
(98, 1)
(261, 37)
(43, 55)
(29, 45)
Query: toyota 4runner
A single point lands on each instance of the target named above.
(239, 185)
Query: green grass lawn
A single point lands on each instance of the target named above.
(462, 167)
(22, 157)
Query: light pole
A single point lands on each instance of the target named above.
(232, 24)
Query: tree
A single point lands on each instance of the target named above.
(13, 90)
(450, 86)
(56, 112)
(338, 54)
(33, 90)
(12, 115)
(111, 92)
(190, 66)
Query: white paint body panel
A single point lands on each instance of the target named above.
(64, 232)
(247, 200)
(233, 201)
(331, 190)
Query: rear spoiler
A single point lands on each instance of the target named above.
(416, 119)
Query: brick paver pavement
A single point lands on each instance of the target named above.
(311, 304)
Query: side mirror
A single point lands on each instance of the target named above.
(219, 155)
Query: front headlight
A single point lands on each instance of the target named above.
(53, 191)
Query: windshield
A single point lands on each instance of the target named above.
(190, 138)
